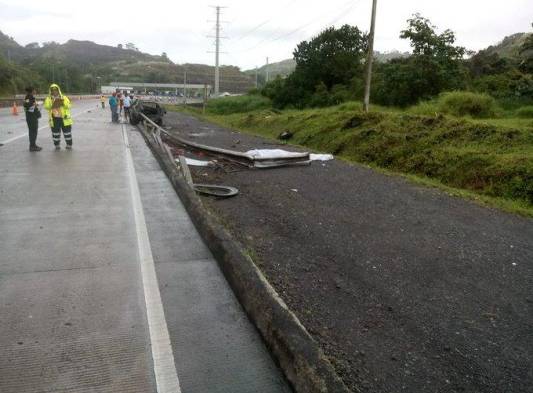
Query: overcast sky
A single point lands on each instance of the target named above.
(254, 29)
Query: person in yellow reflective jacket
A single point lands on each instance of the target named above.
(59, 117)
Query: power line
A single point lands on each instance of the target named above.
(255, 28)
(277, 38)
(343, 13)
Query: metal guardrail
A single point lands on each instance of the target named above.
(231, 155)
(153, 129)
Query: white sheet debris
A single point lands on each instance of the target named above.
(320, 157)
(193, 162)
(272, 153)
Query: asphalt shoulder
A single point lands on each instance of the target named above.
(404, 287)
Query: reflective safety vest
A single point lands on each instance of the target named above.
(64, 108)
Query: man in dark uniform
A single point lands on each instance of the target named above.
(32, 117)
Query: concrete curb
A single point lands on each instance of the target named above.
(299, 356)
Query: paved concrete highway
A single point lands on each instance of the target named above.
(105, 285)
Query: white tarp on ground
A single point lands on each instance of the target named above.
(272, 154)
(278, 153)
(320, 157)
(193, 162)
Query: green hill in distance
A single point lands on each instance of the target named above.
(81, 66)
(509, 47)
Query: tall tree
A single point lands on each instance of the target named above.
(333, 57)
(436, 65)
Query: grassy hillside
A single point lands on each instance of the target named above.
(483, 160)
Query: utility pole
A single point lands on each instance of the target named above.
(205, 98)
(217, 54)
(267, 72)
(370, 57)
(185, 87)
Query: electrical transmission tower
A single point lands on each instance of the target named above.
(217, 38)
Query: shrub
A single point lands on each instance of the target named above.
(525, 112)
(240, 104)
(463, 103)
(425, 108)
(321, 96)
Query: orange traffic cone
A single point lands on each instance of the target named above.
(14, 110)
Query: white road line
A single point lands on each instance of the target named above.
(39, 129)
(164, 368)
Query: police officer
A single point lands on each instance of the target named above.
(32, 117)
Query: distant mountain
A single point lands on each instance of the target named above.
(9, 48)
(81, 65)
(282, 68)
(286, 67)
(510, 46)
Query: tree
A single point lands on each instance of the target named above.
(425, 42)
(32, 45)
(333, 57)
(131, 46)
(50, 44)
(486, 63)
(436, 65)
(164, 56)
(119, 46)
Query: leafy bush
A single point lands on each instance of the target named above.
(239, 104)
(464, 103)
(525, 112)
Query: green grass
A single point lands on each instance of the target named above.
(238, 104)
(459, 104)
(489, 161)
(525, 112)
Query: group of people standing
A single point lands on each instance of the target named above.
(59, 116)
(119, 103)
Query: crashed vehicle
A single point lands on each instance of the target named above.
(150, 109)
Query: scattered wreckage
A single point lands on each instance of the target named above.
(151, 109)
(151, 115)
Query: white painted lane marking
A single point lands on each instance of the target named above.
(164, 368)
(39, 129)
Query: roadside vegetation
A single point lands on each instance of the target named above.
(488, 162)
(465, 126)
